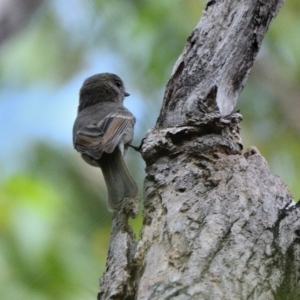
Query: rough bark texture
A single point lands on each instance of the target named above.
(217, 224)
(117, 279)
(217, 59)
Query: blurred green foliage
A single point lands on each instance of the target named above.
(54, 223)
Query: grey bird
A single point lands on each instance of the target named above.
(102, 132)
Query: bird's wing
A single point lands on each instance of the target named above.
(105, 135)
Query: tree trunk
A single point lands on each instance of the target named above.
(217, 224)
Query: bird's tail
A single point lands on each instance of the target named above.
(118, 180)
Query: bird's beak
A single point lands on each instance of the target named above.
(126, 94)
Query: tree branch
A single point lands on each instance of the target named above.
(218, 56)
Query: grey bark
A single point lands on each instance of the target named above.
(217, 224)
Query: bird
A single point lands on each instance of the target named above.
(102, 132)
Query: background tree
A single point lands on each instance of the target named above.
(54, 222)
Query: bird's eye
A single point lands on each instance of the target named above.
(118, 83)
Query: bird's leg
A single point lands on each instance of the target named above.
(139, 148)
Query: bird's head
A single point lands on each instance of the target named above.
(102, 87)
